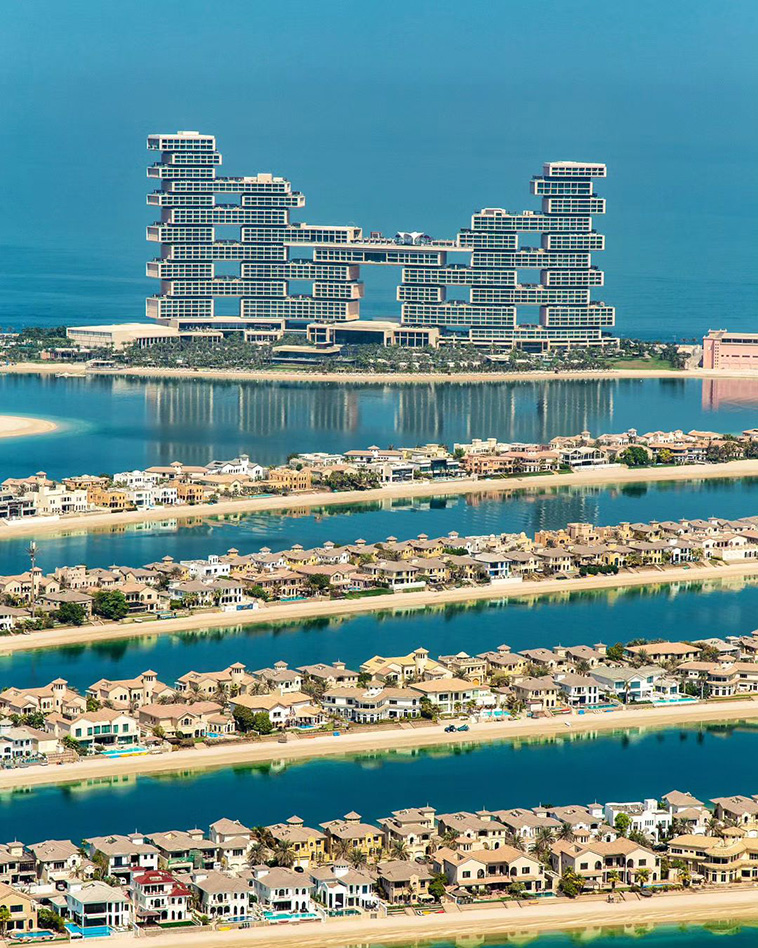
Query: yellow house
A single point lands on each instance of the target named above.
(22, 909)
(415, 666)
(109, 498)
(349, 833)
(308, 845)
(287, 478)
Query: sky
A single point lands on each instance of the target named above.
(391, 115)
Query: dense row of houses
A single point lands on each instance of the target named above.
(235, 581)
(178, 483)
(489, 457)
(158, 486)
(414, 855)
(493, 685)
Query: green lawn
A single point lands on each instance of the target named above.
(642, 364)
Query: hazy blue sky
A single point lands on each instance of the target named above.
(394, 115)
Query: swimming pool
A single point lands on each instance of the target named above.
(124, 752)
(276, 917)
(40, 935)
(96, 931)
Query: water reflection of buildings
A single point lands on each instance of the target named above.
(276, 412)
(719, 394)
(519, 411)
(192, 419)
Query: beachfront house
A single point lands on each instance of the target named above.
(282, 890)
(159, 897)
(599, 862)
(340, 887)
(96, 905)
(452, 695)
(536, 694)
(221, 895)
(628, 684)
(404, 880)
(108, 727)
(578, 691)
(491, 869)
(20, 910)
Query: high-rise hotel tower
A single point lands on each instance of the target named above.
(269, 273)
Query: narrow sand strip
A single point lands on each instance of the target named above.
(723, 906)
(17, 426)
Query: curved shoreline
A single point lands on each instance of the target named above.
(600, 478)
(374, 378)
(525, 919)
(382, 740)
(315, 608)
(19, 426)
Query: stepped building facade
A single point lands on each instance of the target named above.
(232, 260)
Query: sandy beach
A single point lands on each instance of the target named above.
(386, 739)
(520, 920)
(397, 602)
(18, 426)
(375, 378)
(303, 502)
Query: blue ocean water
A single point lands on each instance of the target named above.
(571, 768)
(118, 423)
(715, 608)
(396, 117)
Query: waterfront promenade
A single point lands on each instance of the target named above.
(312, 608)
(385, 738)
(729, 470)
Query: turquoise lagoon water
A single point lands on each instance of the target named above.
(707, 761)
(644, 936)
(689, 610)
(130, 423)
(531, 510)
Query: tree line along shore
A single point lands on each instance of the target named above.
(42, 347)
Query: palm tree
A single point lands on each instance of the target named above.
(543, 840)
(258, 853)
(399, 850)
(357, 858)
(515, 840)
(284, 854)
(5, 917)
(449, 837)
(566, 833)
(614, 878)
(341, 849)
(642, 875)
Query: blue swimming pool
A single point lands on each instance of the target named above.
(275, 917)
(96, 931)
(39, 935)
